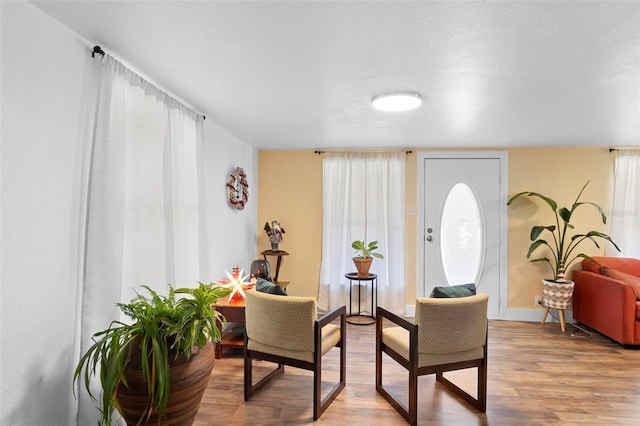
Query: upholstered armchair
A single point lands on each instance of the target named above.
(285, 330)
(448, 334)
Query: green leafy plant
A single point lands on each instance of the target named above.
(163, 326)
(366, 250)
(564, 241)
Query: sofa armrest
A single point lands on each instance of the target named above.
(606, 305)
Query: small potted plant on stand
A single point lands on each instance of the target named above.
(364, 256)
(156, 369)
(557, 290)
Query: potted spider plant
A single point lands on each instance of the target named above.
(156, 368)
(365, 252)
(561, 241)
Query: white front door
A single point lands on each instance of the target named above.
(462, 221)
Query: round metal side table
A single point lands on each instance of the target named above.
(360, 318)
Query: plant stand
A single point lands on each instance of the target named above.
(557, 296)
(278, 254)
(359, 318)
(560, 314)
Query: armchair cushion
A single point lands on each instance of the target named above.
(460, 290)
(289, 331)
(397, 338)
(453, 329)
(330, 338)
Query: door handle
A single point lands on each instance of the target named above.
(429, 238)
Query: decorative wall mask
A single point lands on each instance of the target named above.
(238, 189)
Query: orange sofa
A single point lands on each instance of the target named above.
(606, 298)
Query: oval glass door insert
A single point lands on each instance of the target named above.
(462, 236)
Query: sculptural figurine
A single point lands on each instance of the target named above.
(275, 233)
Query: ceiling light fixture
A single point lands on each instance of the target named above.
(397, 101)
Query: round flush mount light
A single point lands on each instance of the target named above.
(397, 101)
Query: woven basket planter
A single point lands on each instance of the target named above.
(189, 378)
(557, 295)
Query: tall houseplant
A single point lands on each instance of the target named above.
(166, 335)
(365, 252)
(562, 242)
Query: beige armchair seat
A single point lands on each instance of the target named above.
(285, 330)
(448, 334)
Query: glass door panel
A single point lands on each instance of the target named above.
(462, 242)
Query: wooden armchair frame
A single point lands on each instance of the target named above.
(319, 404)
(410, 414)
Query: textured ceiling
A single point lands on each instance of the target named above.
(295, 75)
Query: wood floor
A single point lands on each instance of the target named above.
(537, 376)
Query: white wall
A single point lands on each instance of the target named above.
(42, 161)
(42, 74)
(232, 235)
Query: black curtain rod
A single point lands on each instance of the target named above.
(322, 152)
(97, 49)
(624, 148)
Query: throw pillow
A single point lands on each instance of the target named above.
(269, 287)
(632, 280)
(590, 266)
(460, 290)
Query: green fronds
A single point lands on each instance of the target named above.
(366, 250)
(162, 326)
(562, 244)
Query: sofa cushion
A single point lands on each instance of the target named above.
(590, 266)
(632, 280)
(627, 265)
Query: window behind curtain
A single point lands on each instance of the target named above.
(363, 198)
(625, 217)
(142, 212)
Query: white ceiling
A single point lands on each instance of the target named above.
(300, 74)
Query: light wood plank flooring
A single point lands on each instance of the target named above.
(537, 376)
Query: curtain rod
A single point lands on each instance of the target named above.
(363, 151)
(623, 148)
(97, 49)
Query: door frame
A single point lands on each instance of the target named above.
(503, 157)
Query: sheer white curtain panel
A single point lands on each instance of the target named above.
(625, 217)
(363, 198)
(142, 213)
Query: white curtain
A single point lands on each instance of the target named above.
(625, 217)
(363, 198)
(142, 213)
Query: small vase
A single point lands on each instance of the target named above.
(274, 247)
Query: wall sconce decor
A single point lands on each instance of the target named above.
(238, 188)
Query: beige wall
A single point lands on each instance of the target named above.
(290, 190)
(558, 173)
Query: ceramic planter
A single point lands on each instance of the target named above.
(363, 264)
